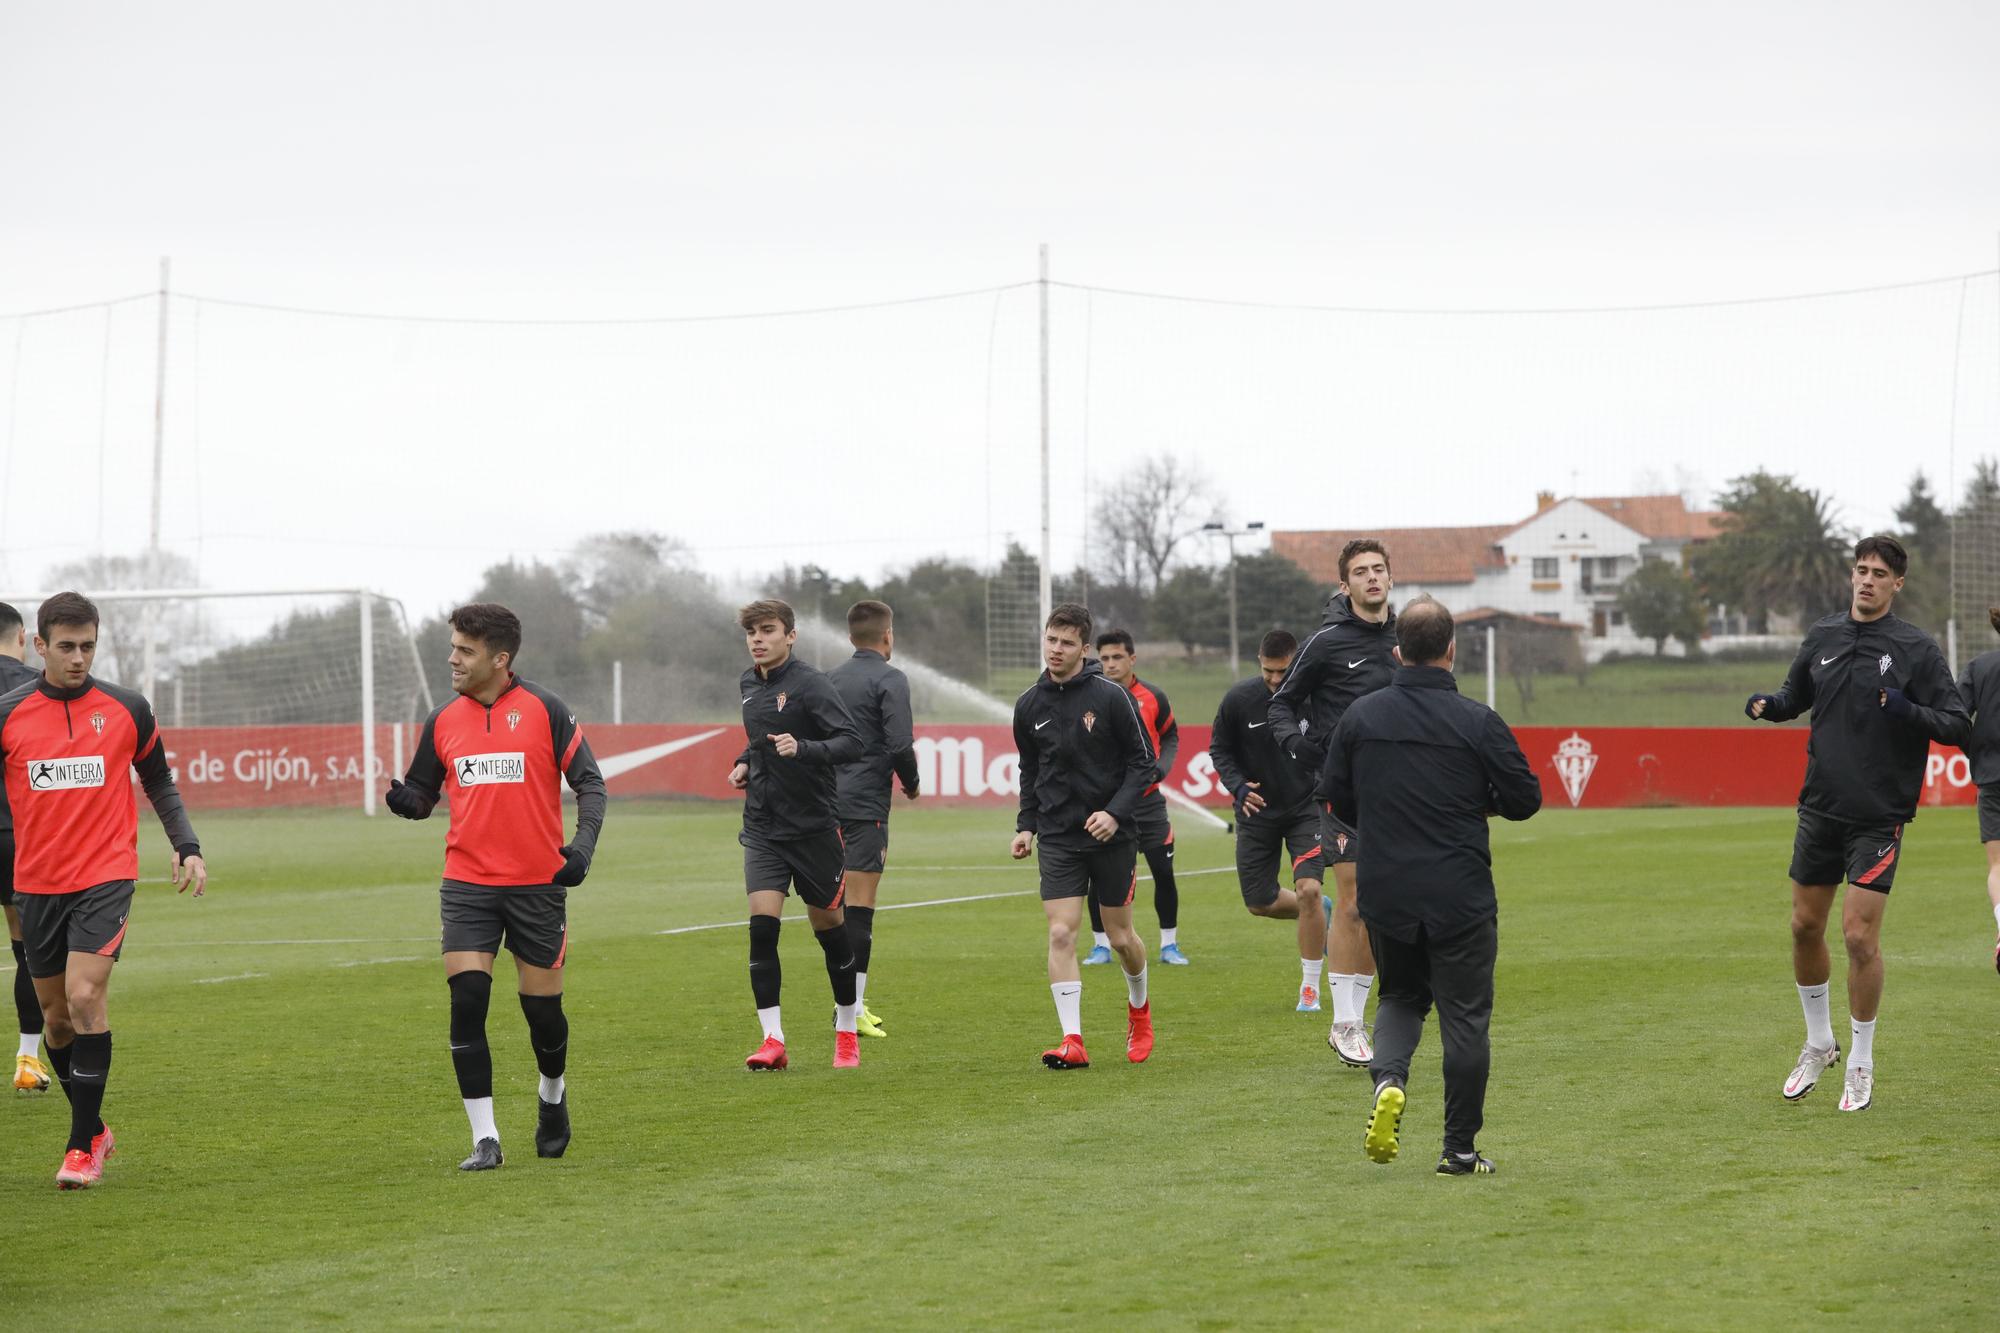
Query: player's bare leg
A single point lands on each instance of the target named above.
(1131, 951)
(469, 975)
(1861, 930)
(1812, 969)
(30, 1074)
(77, 1021)
(548, 1034)
(1065, 917)
(859, 906)
(1353, 968)
(830, 929)
(1993, 894)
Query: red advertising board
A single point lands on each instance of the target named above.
(1581, 767)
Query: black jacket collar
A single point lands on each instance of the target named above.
(56, 692)
(1425, 678)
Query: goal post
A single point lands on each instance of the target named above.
(267, 696)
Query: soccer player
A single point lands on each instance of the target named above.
(502, 749)
(1980, 688)
(65, 744)
(1119, 658)
(877, 696)
(1276, 816)
(1349, 656)
(1880, 692)
(30, 1074)
(799, 734)
(1085, 759)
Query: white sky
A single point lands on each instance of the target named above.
(610, 160)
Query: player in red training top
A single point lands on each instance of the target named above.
(502, 749)
(66, 740)
(1119, 657)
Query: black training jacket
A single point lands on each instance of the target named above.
(1244, 750)
(1420, 767)
(793, 798)
(1083, 749)
(1979, 688)
(877, 696)
(1863, 765)
(1346, 658)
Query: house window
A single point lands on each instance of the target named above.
(1617, 616)
(1607, 567)
(1547, 567)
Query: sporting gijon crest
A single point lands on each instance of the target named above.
(1089, 721)
(1575, 762)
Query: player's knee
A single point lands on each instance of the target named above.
(1807, 927)
(471, 991)
(57, 1029)
(1863, 945)
(1062, 935)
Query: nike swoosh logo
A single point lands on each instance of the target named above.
(612, 766)
(1043, 723)
(1356, 663)
(1255, 725)
(1824, 660)
(1883, 851)
(462, 1048)
(751, 697)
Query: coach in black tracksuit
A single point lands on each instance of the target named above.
(1421, 767)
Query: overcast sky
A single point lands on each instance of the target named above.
(611, 161)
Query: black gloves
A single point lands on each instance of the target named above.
(1897, 704)
(1752, 702)
(407, 801)
(575, 866)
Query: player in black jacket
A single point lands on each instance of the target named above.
(30, 1074)
(1277, 818)
(1085, 759)
(1979, 687)
(877, 696)
(1880, 692)
(1351, 655)
(799, 734)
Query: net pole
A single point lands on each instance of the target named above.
(367, 603)
(1046, 586)
(160, 408)
(1492, 679)
(617, 692)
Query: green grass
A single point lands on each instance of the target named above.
(1630, 692)
(289, 1136)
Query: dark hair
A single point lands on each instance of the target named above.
(65, 608)
(1993, 618)
(1278, 643)
(1356, 547)
(1888, 548)
(10, 618)
(1423, 631)
(868, 622)
(491, 624)
(1069, 615)
(1121, 637)
(767, 608)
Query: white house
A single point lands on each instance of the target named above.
(1565, 562)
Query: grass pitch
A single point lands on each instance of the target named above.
(289, 1123)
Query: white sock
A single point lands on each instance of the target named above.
(552, 1089)
(1100, 939)
(1135, 988)
(1069, 1006)
(844, 1016)
(1309, 970)
(769, 1018)
(1341, 985)
(1169, 935)
(860, 988)
(31, 1043)
(1863, 1053)
(479, 1110)
(1819, 1018)
(1363, 983)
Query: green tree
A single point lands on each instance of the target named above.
(1193, 606)
(1780, 551)
(1271, 593)
(1925, 528)
(1661, 602)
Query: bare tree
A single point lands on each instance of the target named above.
(1148, 513)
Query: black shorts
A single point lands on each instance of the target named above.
(6, 867)
(1989, 813)
(1831, 851)
(533, 921)
(815, 866)
(1109, 872)
(865, 845)
(1264, 843)
(1340, 841)
(56, 925)
(1150, 822)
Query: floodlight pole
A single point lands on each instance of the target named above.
(1046, 589)
(160, 407)
(1230, 535)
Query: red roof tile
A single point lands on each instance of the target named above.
(1416, 555)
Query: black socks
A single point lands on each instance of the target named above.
(548, 1032)
(471, 991)
(89, 1069)
(860, 936)
(26, 1006)
(765, 974)
(839, 952)
(1166, 894)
